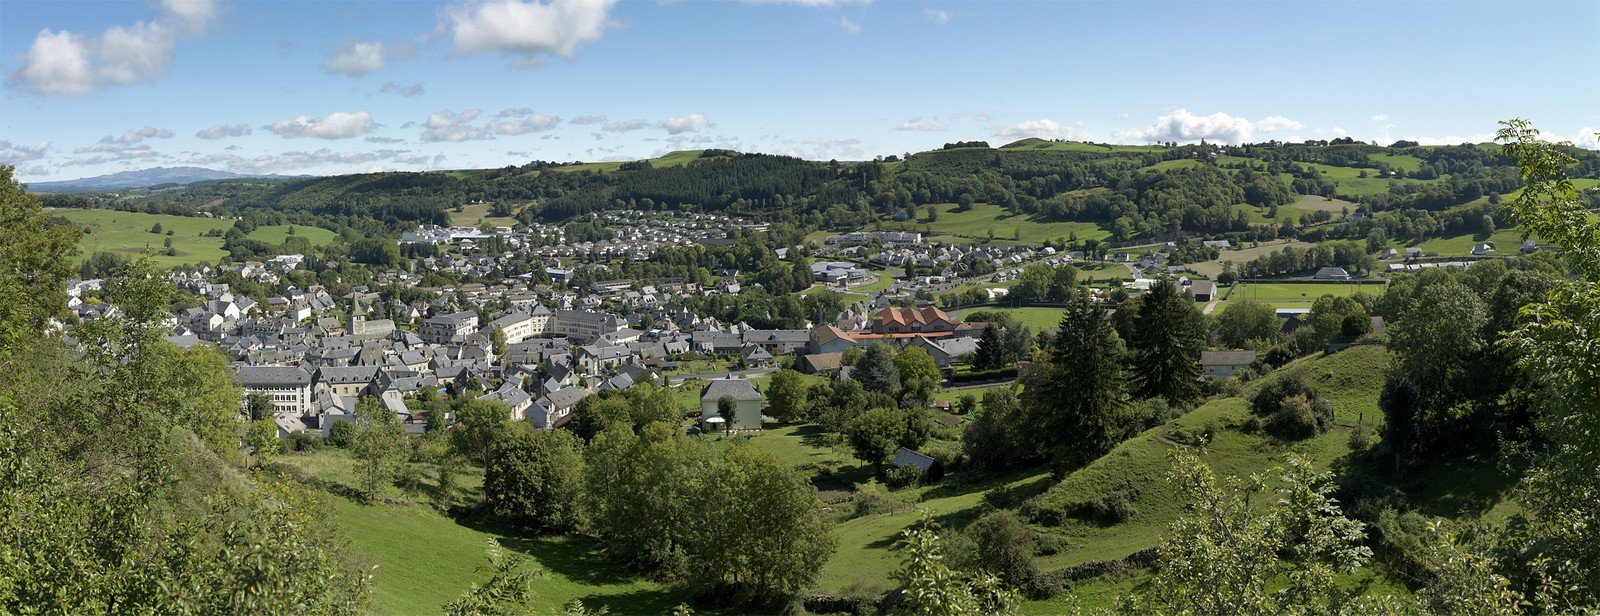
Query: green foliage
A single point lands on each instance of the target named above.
(536, 481)
(876, 435)
(1247, 324)
(342, 434)
(933, 588)
(377, 443)
(1221, 557)
(786, 396)
(262, 439)
(876, 370)
(1076, 394)
(35, 254)
(998, 437)
(1005, 547)
(507, 592)
(481, 426)
(918, 374)
(1555, 345)
(1166, 345)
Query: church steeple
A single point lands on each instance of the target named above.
(358, 317)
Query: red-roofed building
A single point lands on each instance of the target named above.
(931, 319)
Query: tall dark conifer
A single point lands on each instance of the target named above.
(1076, 400)
(1167, 340)
(989, 354)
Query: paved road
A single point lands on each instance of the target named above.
(679, 378)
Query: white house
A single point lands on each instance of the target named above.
(747, 414)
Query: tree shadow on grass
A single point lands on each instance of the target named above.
(644, 601)
(576, 558)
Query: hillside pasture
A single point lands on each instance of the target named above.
(1297, 295)
(1318, 203)
(475, 214)
(1035, 318)
(975, 224)
(1507, 242)
(1212, 269)
(128, 234)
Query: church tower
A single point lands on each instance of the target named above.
(358, 318)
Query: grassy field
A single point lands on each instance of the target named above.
(670, 159)
(1037, 318)
(1507, 242)
(974, 224)
(1212, 269)
(129, 233)
(477, 214)
(1296, 295)
(883, 283)
(1314, 203)
(425, 560)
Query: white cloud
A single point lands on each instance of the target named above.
(624, 126)
(1454, 139)
(921, 125)
(1380, 118)
(974, 115)
(410, 91)
(522, 121)
(809, 2)
(448, 125)
(136, 136)
(357, 59)
(1043, 129)
(1124, 116)
(1275, 123)
(528, 28)
(337, 125)
(936, 16)
(849, 27)
(224, 130)
(73, 64)
(1185, 127)
(691, 123)
(588, 119)
(11, 154)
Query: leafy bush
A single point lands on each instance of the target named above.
(1052, 544)
(907, 476)
(300, 440)
(342, 434)
(1108, 510)
(871, 501)
(947, 455)
(1298, 418)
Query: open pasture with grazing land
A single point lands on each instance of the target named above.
(1317, 203)
(1240, 256)
(1037, 318)
(975, 223)
(128, 234)
(475, 214)
(1298, 294)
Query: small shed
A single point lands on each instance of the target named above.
(932, 470)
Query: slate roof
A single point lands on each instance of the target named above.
(738, 389)
(277, 376)
(1227, 358)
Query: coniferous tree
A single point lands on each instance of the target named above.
(988, 356)
(876, 370)
(1167, 340)
(1076, 400)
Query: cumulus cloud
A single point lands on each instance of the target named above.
(1042, 129)
(11, 154)
(849, 27)
(623, 126)
(136, 136)
(1184, 127)
(410, 91)
(809, 2)
(447, 125)
(357, 59)
(936, 16)
(336, 125)
(528, 29)
(1124, 116)
(384, 140)
(1380, 118)
(522, 121)
(220, 131)
(921, 125)
(691, 123)
(73, 64)
(588, 119)
(1276, 123)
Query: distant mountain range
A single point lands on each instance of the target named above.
(145, 178)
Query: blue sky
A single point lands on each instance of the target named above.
(316, 87)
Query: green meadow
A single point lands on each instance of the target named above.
(128, 233)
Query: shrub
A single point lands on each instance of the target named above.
(300, 440)
(1111, 509)
(949, 456)
(1051, 545)
(342, 434)
(1360, 438)
(908, 476)
(872, 501)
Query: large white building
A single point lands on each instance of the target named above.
(448, 328)
(288, 386)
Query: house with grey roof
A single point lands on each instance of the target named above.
(747, 405)
(289, 387)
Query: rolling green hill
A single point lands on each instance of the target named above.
(128, 233)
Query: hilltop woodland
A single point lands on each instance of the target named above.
(133, 482)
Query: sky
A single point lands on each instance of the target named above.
(330, 87)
